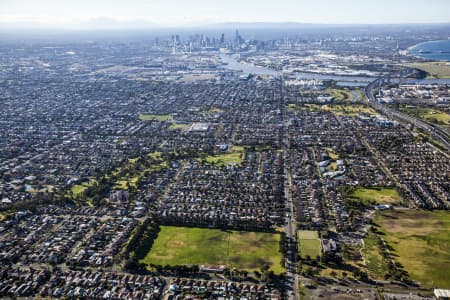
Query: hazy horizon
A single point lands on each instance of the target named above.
(136, 14)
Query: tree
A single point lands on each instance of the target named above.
(257, 274)
(309, 272)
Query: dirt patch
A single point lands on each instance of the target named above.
(176, 244)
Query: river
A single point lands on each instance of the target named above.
(232, 64)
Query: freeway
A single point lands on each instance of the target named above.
(433, 130)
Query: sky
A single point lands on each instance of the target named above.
(98, 13)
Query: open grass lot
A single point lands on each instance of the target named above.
(309, 243)
(332, 154)
(428, 114)
(370, 196)
(179, 126)
(80, 188)
(148, 117)
(437, 115)
(421, 239)
(236, 156)
(242, 250)
(308, 234)
(376, 264)
(339, 95)
(338, 109)
(435, 69)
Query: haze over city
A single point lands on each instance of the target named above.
(150, 13)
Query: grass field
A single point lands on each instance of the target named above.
(376, 264)
(309, 243)
(242, 250)
(332, 154)
(179, 126)
(338, 109)
(435, 69)
(370, 196)
(439, 116)
(340, 95)
(148, 117)
(421, 239)
(429, 114)
(236, 156)
(80, 188)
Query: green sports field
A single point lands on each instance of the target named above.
(309, 243)
(242, 250)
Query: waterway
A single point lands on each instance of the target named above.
(350, 81)
(233, 64)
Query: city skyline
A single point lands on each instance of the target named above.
(157, 13)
